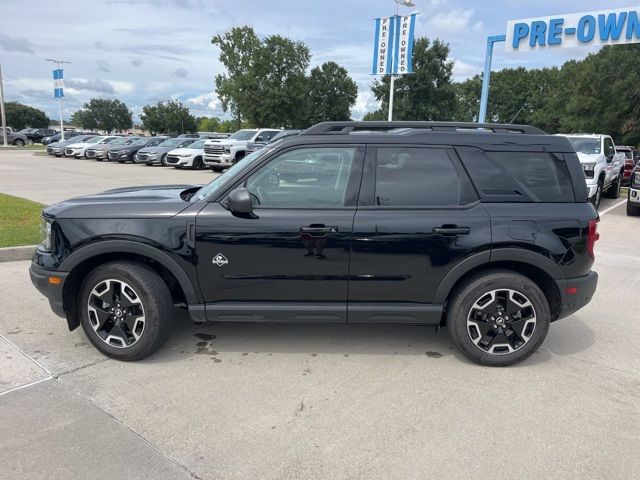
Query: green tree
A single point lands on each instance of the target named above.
(265, 82)
(331, 93)
(21, 116)
(103, 114)
(208, 124)
(168, 117)
(428, 93)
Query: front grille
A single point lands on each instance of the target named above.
(91, 153)
(172, 159)
(68, 151)
(112, 155)
(49, 150)
(143, 156)
(214, 149)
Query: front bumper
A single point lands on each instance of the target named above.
(174, 161)
(634, 195)
(223, 160)
(53, 292)
(592, 187)
(583, 289)
(148, 159)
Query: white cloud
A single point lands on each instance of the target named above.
(204, 101)
(365, 103)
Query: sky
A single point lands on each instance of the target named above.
(144, 51)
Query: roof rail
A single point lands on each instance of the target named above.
(345, 128)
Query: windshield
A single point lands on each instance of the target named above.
(590, 146)
(172, 142)
(243, 135)
(627, 153)
(197, 144)
(118, 141)
(212, 188)
(107, 140)
(87, 138)
(140, 141)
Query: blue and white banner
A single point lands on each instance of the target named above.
(57, 84)
(393, 45)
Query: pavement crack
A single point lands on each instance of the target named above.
(619, 370)
(133, 432)
(81, 367)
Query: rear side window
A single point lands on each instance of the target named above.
(518, 176)
(419, 177)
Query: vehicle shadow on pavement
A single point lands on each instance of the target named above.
(216, 339)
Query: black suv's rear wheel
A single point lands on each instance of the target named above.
(498, 318)
(632, 210)
(126, 310)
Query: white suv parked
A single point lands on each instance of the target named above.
(219, 154)
(602, 164)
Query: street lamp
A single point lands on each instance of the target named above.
(59, 63)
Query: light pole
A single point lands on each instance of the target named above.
(4, 120)
(392, 83)
(59, 63)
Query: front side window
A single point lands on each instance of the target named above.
(419, 177)
(304, 178)
(609, 149)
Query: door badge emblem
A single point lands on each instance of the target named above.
(220, 260)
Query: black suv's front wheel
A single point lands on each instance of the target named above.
(126, 310)
(498, 318)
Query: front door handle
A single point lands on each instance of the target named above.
(318, 230)
(451, 231)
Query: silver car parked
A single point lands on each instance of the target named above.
(158, 155)
(14, 138)
(101, 151)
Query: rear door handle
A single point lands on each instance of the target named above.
(318, 230)
(451, 231)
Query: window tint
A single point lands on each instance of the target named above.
(609, 149)
(518, 176)
(419, 177)
(304, 178)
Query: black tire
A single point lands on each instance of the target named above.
(18, 142)
(163, 161)
(461, 308)
(597, 198)
(154, 297)
(197, 164)
(216, 169)
(632, 210)
(239, 156)
(120, 161)
(614, 189)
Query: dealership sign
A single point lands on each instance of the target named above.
(393, 45)
(608, 27)
(58, 91)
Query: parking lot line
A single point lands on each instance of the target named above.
(613, 207)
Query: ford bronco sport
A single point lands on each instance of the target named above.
(483, 228)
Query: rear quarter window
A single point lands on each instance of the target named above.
(518, 176)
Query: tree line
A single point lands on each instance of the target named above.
(268, 83)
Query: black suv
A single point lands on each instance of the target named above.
(483, 228)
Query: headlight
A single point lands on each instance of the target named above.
(45, 229)
(589, 169)
(184, 155)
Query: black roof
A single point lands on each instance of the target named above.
(487, 136)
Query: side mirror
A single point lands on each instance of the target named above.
(239, 203)
(610, 158)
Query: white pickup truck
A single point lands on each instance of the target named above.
(220, 154)
(603, 165)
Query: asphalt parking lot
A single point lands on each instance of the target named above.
(320, 402)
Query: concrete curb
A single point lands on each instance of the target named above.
(14, 254)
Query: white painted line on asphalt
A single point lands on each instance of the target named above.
(27, 385)
(26, 355)
(619, 204)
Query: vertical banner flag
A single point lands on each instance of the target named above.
(57, 84)
(393, 45)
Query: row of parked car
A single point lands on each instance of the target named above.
(216, 151)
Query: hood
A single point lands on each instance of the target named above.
(157, 201)
(184, 150)
(155, 149)
(80, 145)
(588, 157)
